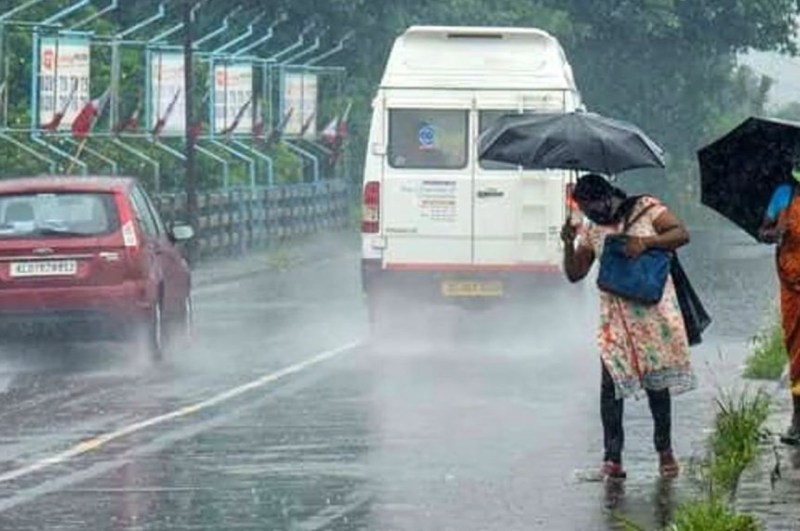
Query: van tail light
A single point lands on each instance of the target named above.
(371, 212)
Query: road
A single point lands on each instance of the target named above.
(280, 415)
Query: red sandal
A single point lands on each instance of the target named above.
(612, 470)
(667, 465)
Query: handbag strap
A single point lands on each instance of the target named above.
(630, 222)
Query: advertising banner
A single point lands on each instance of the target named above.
(167, 93)
(63, 80)
(300, 94)
(233, 97)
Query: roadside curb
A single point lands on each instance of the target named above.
(770, 486)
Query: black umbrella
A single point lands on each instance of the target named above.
(572, 141)
(740, 171)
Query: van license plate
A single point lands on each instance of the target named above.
(49, 268)
(454, 288)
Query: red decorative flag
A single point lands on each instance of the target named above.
(342, 129)
(58, 116)
(341, 135)
(162, 121)
(328, 134)
(132, 122)
(306, 125)
(239, 115)
(196, 129)
(88, 115)
(258, 122)
(277, 131)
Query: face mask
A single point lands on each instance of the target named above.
(601, 213)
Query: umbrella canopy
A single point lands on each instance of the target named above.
(572, 141)
(740, 171)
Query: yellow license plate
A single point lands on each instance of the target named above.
(458, 288)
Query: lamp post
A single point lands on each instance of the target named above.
(190, 183)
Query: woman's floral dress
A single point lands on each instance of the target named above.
(641, 346)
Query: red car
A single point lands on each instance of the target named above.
(90, 256)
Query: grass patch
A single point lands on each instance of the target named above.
(768, 357)
(712, 515)
(737, 431)
(732, 447)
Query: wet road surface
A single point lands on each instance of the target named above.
(280, 415)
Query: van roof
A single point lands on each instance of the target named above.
(452, 57)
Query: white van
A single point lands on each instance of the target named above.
(436, 220)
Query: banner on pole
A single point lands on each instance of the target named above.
(63, 80)
(233, 97)
(167, 115)
(300, 94)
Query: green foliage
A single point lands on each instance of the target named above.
(667, 65)
(733, 446)
(289, 170)
(768, 356)
(713, 515)
(737, 430)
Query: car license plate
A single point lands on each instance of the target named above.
(48, 268)
(457, 288)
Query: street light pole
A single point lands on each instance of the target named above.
(191, 184)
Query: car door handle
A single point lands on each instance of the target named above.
(490, 192)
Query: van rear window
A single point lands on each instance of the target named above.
(486, 119)
(48, 215)
(428, 139)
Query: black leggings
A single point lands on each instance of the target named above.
(611, 412)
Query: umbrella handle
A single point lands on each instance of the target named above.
(570, 187)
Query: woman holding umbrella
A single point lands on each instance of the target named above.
(781, 226)
(642, 347)
(750, 175)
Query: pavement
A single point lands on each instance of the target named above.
(770, 488)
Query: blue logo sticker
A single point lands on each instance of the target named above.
(426, 136)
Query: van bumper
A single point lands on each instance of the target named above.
(458, 283)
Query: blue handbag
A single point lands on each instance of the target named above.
(641, 279)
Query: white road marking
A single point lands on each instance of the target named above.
(101, 440)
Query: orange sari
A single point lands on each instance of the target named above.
(788, 259)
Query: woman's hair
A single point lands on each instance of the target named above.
(593, 186)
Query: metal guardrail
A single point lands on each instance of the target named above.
(242, 219)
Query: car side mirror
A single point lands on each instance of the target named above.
(181, 233)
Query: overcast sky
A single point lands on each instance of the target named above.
(783, 69)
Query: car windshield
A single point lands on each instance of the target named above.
(57, 214)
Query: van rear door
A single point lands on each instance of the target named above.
(517, 214)
(427, 185)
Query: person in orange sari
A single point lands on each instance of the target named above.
(781, 226)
